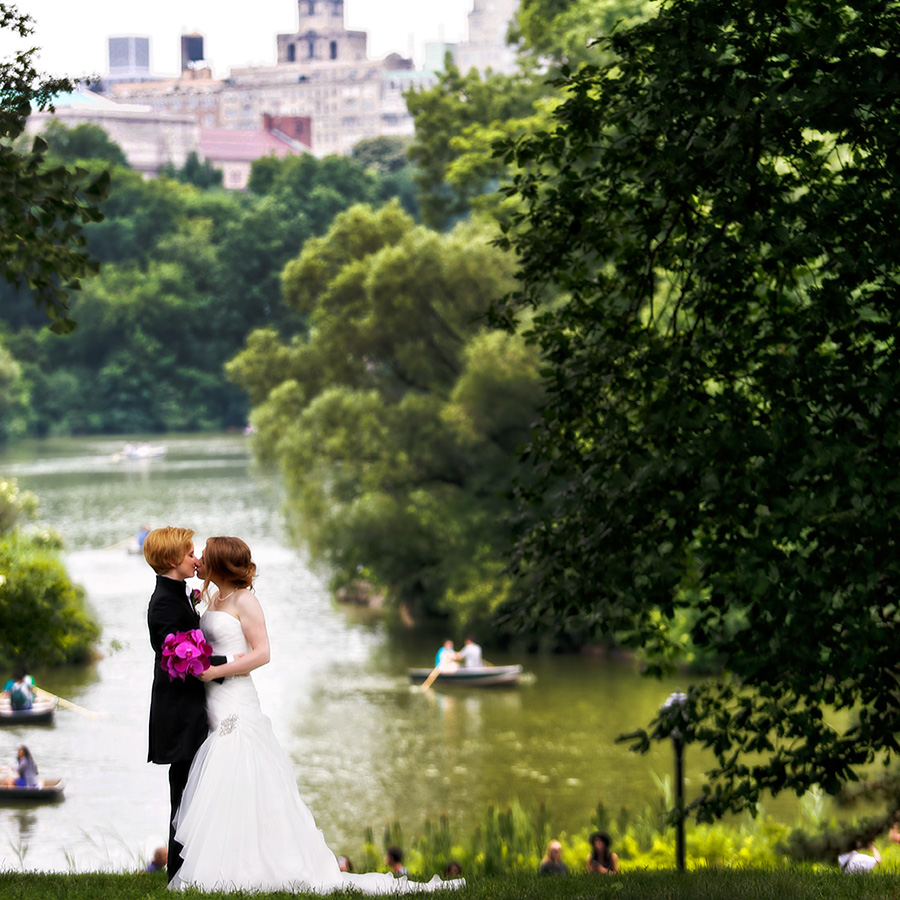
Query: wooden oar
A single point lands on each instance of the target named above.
(66, 704)
(428, 681)
(124, 543)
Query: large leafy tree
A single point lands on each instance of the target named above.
(718, 210)
(395, 419)
(43, 208)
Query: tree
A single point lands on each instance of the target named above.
(459, 105)
(81, 142)
(200, 174)
(566, 31)
(715, 213)
(43, 208)
(45, 618)
(393, 421)
(385, 153)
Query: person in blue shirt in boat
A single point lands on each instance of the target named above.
(20, 690)
(446, 658)
(26, 770)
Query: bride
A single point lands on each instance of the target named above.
(241, 820)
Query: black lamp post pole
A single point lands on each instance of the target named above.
(678, 745)
(679, 702)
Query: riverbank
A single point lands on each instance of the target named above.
(747, 884)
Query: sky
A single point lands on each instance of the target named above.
(72, 35)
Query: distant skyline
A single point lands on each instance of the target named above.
(72, 36)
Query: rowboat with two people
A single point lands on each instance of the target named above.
(472, 676)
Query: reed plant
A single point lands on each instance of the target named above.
(510, 841)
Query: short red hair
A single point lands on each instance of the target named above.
(164, 548)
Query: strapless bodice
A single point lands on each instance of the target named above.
(236, 695)
(224, 632)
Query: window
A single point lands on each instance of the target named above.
(292, 53)
(312, 49)
(333, 49)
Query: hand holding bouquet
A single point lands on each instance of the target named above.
(185, 653)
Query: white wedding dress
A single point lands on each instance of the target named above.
(241, 820)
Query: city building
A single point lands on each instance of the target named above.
(148, 138)
(486, 47)
(233, 152)
(151, 140)
(322, 74)
(128, 58)
(191, 51)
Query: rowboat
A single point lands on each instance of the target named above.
(46, 791)
(474, 676)
(41, 712)
(140, 452)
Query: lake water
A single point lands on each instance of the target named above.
(367, 748)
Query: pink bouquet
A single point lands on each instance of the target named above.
(185, 653)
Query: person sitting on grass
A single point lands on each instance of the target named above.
(602, 860)
(552, 863)
(393, 856)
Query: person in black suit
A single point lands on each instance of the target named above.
(178, 724)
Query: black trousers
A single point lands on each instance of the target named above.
(178, 776)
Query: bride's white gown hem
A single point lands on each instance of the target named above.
(241, 820)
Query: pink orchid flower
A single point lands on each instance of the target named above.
(185, 653)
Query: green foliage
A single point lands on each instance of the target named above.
(14, 397)
(393, 420)
(564, 31)
(384, 154)
(200, 174)
(460, 117)
(45, 619)
(511, 842)
(43, 208)
(81, 142)
(15, 507)
(718, 209)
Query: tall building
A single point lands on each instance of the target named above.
(486, 46)
(321, 35)
(129, 58)
(191, 50)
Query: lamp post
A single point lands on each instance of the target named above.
(676, 706)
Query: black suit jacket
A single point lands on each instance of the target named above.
(178, 724)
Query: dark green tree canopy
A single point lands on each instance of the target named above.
(718, 211)
(200, 174)
(81, 142)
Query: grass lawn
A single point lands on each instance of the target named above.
(791, 884)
